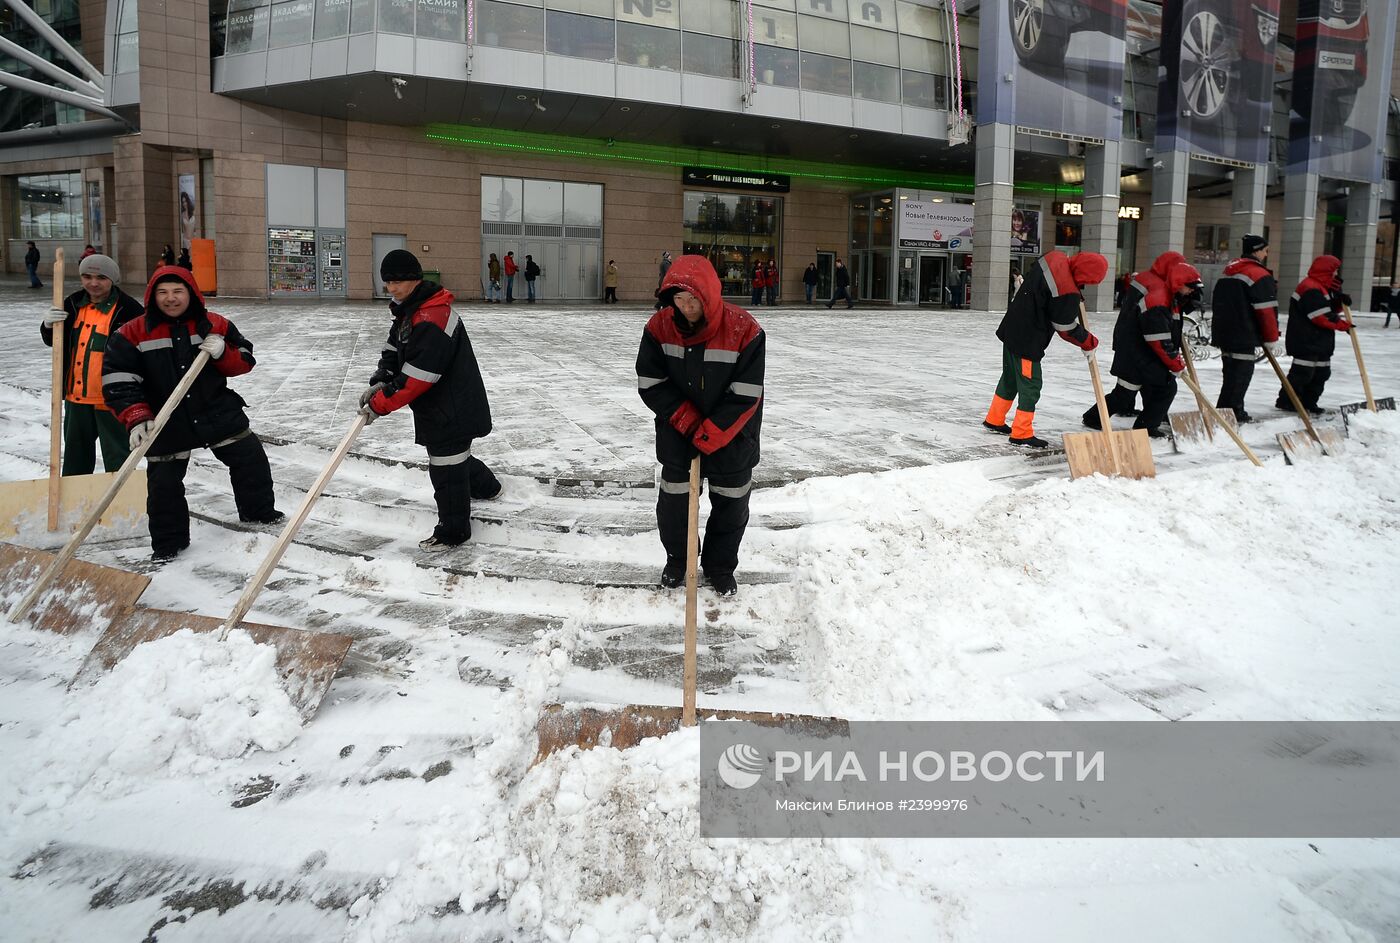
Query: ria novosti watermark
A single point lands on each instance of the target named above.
(1053, 779)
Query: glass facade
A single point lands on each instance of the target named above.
(50, 206)
(19, 110)
(734, 231)
(876, 50)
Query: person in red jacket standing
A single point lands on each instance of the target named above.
(770, 282)
(1244, 317)
(143, 364)
(700, 370)
(1315, 317)
(510, 269)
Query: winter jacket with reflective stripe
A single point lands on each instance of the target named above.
(705, 388)
(1314, 318)
(1245, 307)
(431, 368)
(1147, 339)
(146, 359)
(1048, 303)
(89, 350)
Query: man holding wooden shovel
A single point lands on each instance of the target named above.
(89, 317)
(1245, 317)
(1316, 314)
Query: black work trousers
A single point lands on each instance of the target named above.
(1121, 401)
(1236, 374)
(457, 477)
(1308, 380)
(724, 531)
(169, 513)
(1156, 403)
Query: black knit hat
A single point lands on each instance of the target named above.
(1253, 243)
(400, 265)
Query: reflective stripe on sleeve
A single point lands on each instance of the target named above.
(1312, 314)
(452, 322)
(747, 389)
(418, 374)
(646, 383)
(111, 378)
(1259, 305)
(1157, 337)
(1065, 327)
(1241, 276)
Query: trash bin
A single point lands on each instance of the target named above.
(432, 275)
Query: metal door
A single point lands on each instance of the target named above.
(382, 244)
(590, 271)
(932, 274)
(826, 279)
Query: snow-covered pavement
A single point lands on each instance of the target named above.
(901, 564)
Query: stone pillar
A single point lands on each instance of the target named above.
(1247, 204)
(144, 181)
(991, 225)
(1102, 173)
(1359, 263)
(1299, 242)
(1167, 228)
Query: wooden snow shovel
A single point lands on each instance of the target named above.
(111, 583)
(1373, 404)
(1127, 454)
(561, 726)
(307, 662)
(1220, 419)
(75, 492)
(1297, 446)
(1191, 427)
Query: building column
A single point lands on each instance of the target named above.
(1299, 242)
(1247, 202)
(144, 221)
(1363, 215)
(1167, 228)
(991, 215)
(1099, 232)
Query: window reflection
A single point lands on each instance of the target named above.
(442, 19)
(776, 66)
(332, 18)
(509, 26)
(710, 55)
(735, 232)
(291, 24)
(826, 74)
(587, 37)
(648, 46)
(396, 16)
(876, 82)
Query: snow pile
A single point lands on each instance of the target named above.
(1274, 574)
(180, 705)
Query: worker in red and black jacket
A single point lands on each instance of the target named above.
(143, 364)
(428, 365)
(1315, 316)
(1244, 317)
(1122, 400)
(700, 370)
(1147, 345)
(1047, 304)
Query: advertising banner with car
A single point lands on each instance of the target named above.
(1065, 63)
(1341, 69)
(1216, 83)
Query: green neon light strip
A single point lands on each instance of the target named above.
(662, 156)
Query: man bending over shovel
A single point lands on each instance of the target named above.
(1047, 304)
(1315, 317)
(145, 361)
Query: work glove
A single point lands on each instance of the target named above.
(1344, 299)
(1177, 367)
(368, 412)
(139, 434)
(54, 316)
(1089, 343)
(1275, 349)
(213, 345)
(686, 419)
(370, 391)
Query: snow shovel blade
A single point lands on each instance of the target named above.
(78, 493)
(69, 603)
(1299, 447)
(307, 662)
(1384, 402)
(561, 726)
(1089, 454)
(1189, 428)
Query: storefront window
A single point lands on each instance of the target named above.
(586, 37)
(776, 66)
(544, 202)
(332, 18)
(50, 206)
(826, 74)
(648, 46)
(442, 19)
(876, 82)
(291, 24)
(710, 55)
(734, 231)
(924, 90)
(396, 16)
(247, 29)
(509, 26)
(583, 204)
(361, 16)
(501, 199)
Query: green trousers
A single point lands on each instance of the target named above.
(83, 427)
(1019, 378)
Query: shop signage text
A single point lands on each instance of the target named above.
(703, 177)
(926, 225)
(1077, 209)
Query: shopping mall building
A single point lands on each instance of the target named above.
(293, 142)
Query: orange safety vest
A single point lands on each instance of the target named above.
(90, 333)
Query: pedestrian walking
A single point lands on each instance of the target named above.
(510, 268)
(184, 261)
(31, 264)
(700, 370)
(532, 272)
(843, 286)
(664, 267)
(429, 366)
(610, 283)
(90, 316)
(167, 255)
(493, 275)
(809, 281)
(1393, 304)
(143, 364)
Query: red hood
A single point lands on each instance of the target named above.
(1088, 268)
(1164, 262)
(183, 275)
(1324, 271)
(1181, 275)
(695, 274)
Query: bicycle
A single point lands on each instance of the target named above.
(1195, 331)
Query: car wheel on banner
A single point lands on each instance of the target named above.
(1040, 37)
(1208, 56)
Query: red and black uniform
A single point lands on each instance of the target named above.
(1245, 317)
(144, 363)
(1047, 304)
(1147, 345)
(1315, 317)
(429, 366)
(704, 382)
(86, 419)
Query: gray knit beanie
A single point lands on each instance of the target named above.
(100, 265)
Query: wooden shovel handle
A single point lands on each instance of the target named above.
(1360, 362)
(692, 590)
(260, 578)
(1297, 403)
(1107, 426)
(56, 401)
(70, 549)
(1211, 411)
(1196, 389)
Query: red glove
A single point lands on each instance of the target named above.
(1090, 343)
(379, 404)
(686, 419)
(701, 440)
(1176, 365)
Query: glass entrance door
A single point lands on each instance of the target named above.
(933, 274)
(826, 267)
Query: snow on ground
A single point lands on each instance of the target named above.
(901, 564)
